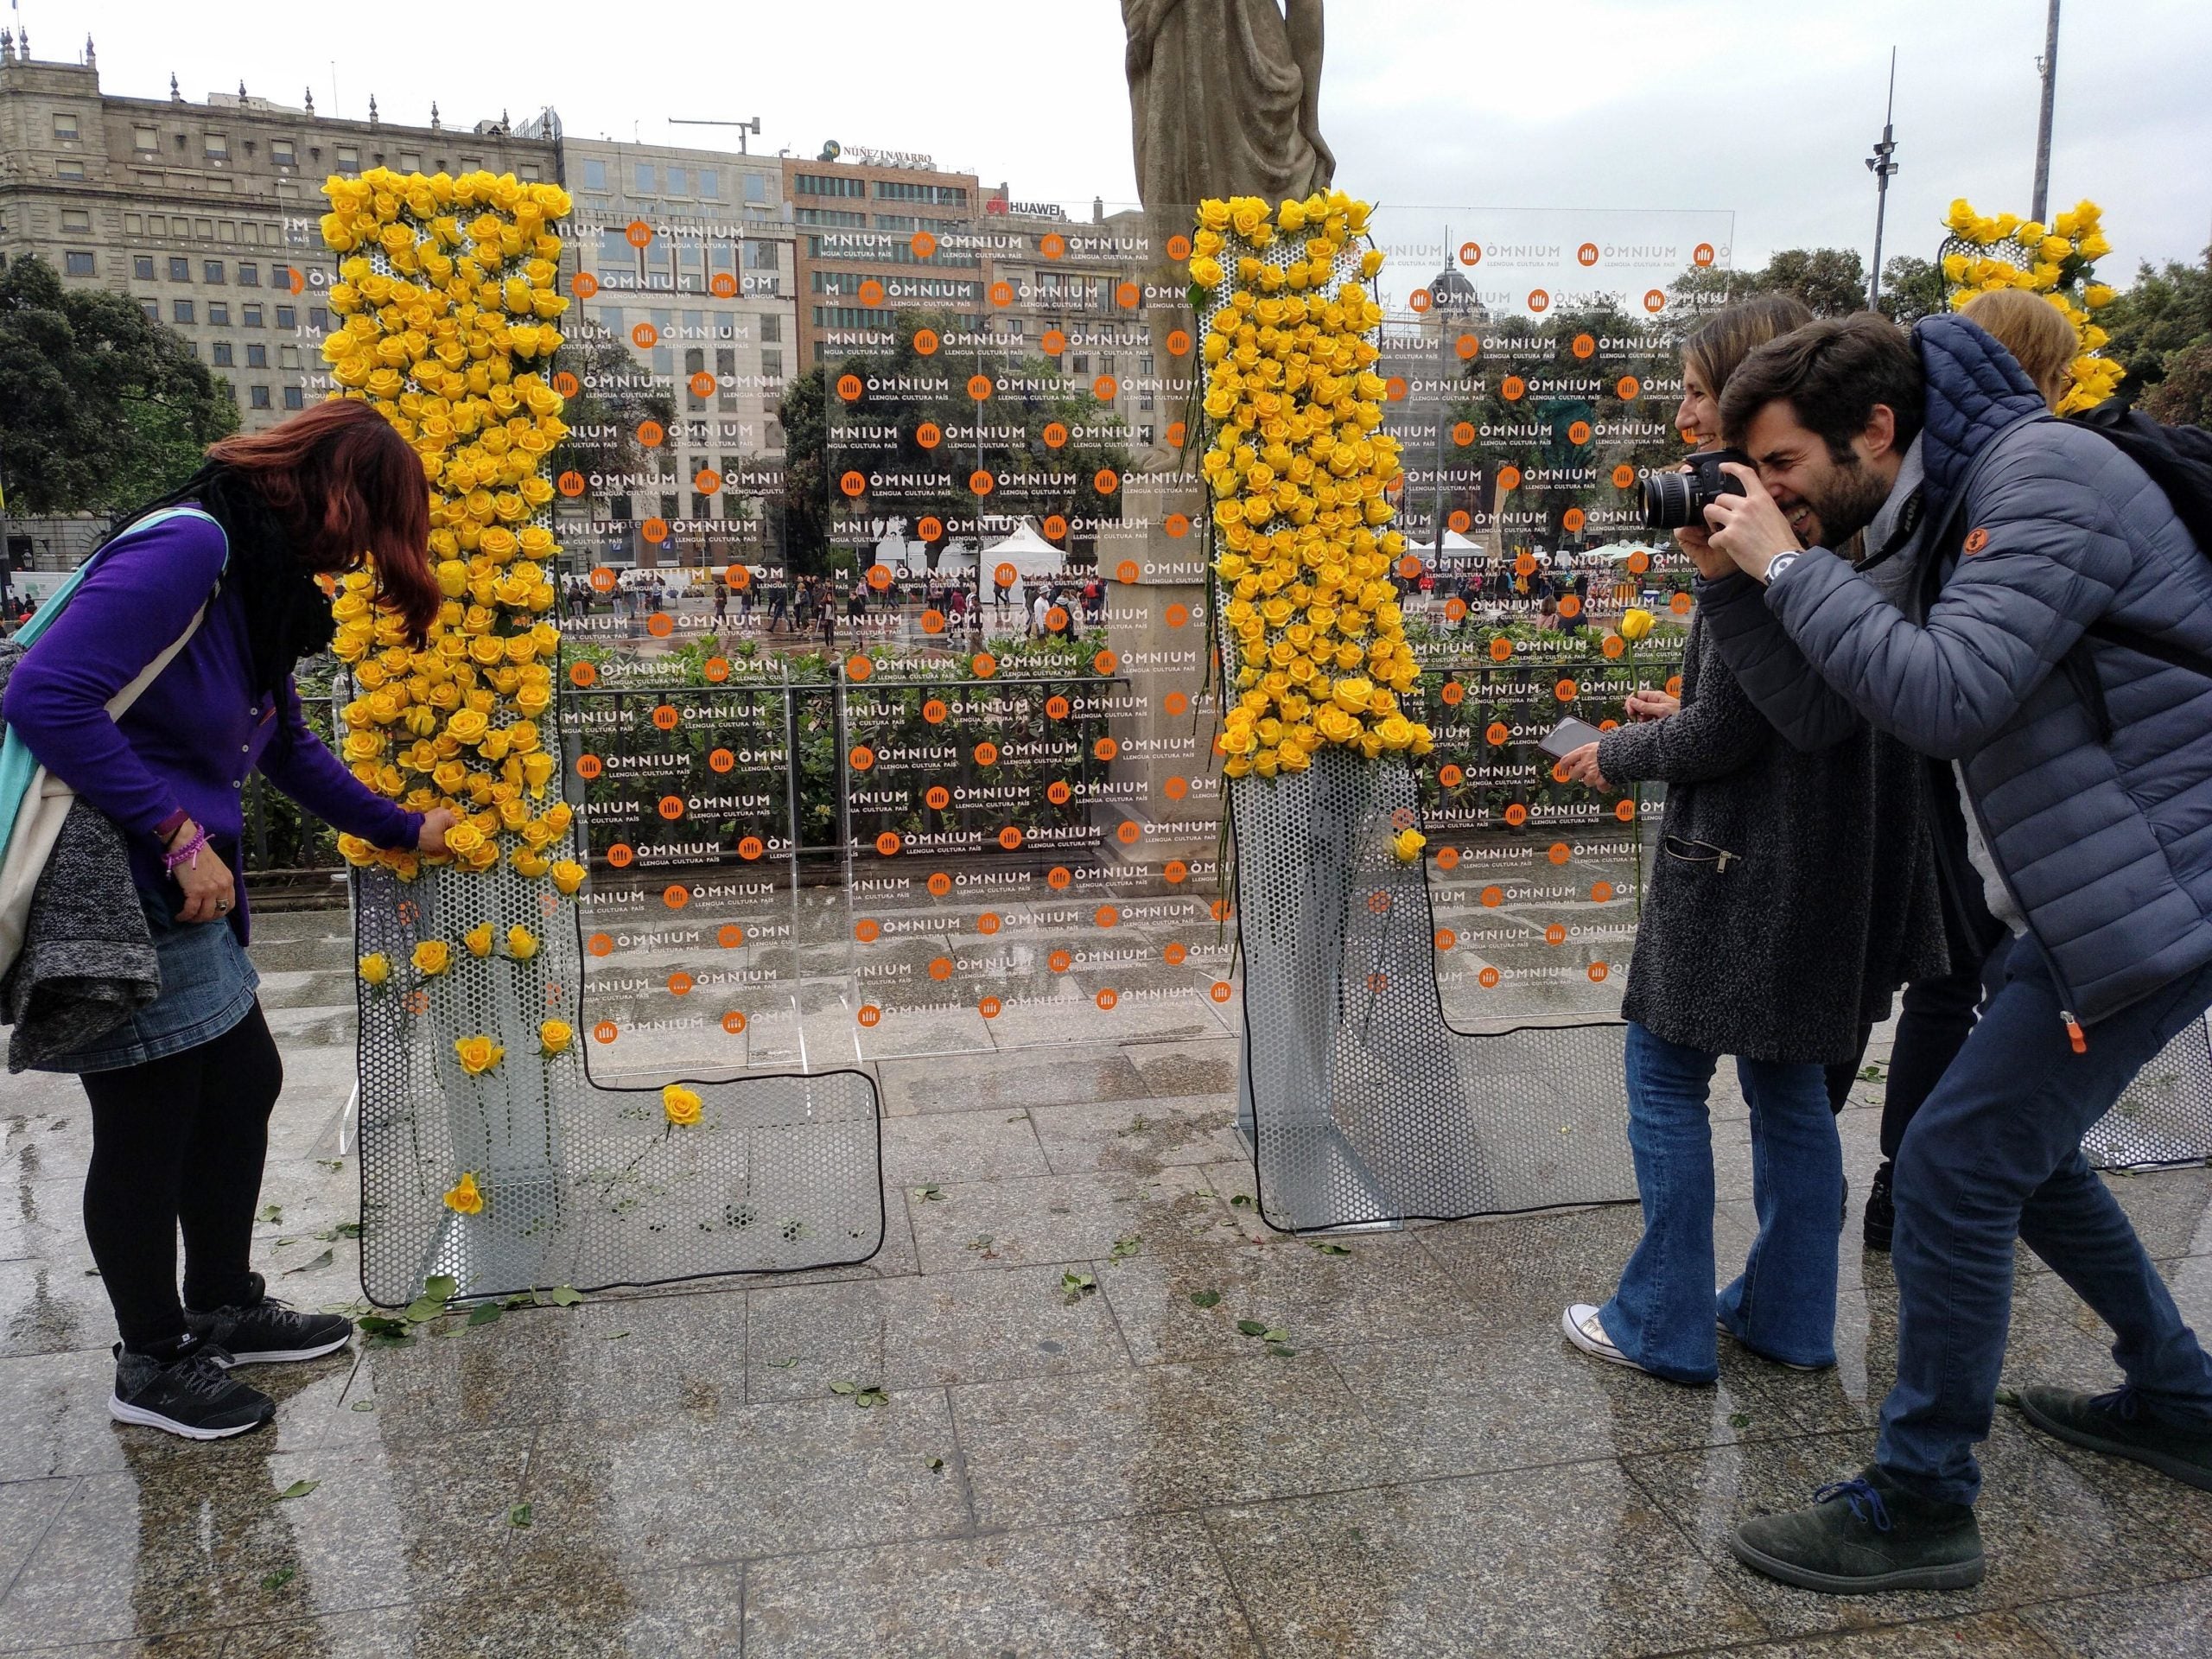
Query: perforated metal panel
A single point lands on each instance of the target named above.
(584, 1184)
(2165, 1117)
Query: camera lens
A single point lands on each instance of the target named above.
(1673, 501)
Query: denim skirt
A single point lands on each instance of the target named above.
(207, 986)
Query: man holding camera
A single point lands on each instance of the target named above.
(2056, 647)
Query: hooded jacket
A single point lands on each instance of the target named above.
(2042, 528)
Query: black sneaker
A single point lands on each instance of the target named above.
(1881, 1209)
(262, 1330)
(2120, 1425)
(192, 1395)
(1865, 1535)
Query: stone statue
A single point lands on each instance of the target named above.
(1225, 97)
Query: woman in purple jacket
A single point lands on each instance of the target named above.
(181, 1091)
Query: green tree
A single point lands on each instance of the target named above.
(1913, 288)
(2184, 396)
(1832, 282)
(806, 470)
(100, 409)
(2155, 322)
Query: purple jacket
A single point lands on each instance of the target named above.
(193, 735)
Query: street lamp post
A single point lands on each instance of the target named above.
(2047, 67)
(1883, 167)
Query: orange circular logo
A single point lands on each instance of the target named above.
(1539, 301)
(649, 433)
(1638, 563)
(1487, 979)
(729, 936)
(600, 945)
(1679, 604)
(676, 896)
(1055, 527)
(1222, 990)
(1467, 346)
(1516, 814)
(588, 767)
(1059, 962)
(1058, 792)
(933, 621)
(931, 529)
(605, 1032)
(1585, 346)
(750, 848)
(979, 482)
(939, 884)
(1002, 293)
(1448, 859)
(733, 1023)
(1053, 342)
(1573, 520)
(934, 711)
(1420, 299)
(887, 844)
(660, 624)
(1628, 387)
(989, 1007)
(1451, 776)
(925, 342)
(879, 576)
(1179, 246)
(1105, 388)
(1565, 691)
(1977, 538)
(1106, 916)
(621, 855)
(721, 759)
(871, 292)
(922, 244)
(1701, 254)
(1655, 301)
(1513, 389)
(1394, 389)
(1056, 707)
(571, 483)
(1052, 244)
(987, 923)
(849, 387)
(1176, 788)
(979, 387)
(1106, 480)
(858, 667)
(1106, 662)
(1055, 435)
(1471, 253)
(870, 1015)
(723, 287)
(639, 234)
(671, 807)
(941, 968)
(1127, 296)
(702, 384)
(584, 284)
(937, 797)
(706, 480)
(1058, 879)
(1106, 999)
(862, 757)
(1179, 345)
(987, 754)
(664, 716)
(1587, 253)
(1460, 522)
(644, 336)
(1463, 434)
(1175, 872)
(1105, 748)
(1578, 433)
(1130, 832)
(679, 983)
(655, 531)
(1176, 615)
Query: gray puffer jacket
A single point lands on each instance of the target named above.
(2044, 529)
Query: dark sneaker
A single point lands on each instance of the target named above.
(2120, 1425)
(194, 1396)
(1865, 1535)
(263, 1331)
(1881, 1209)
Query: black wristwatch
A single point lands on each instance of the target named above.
(1778, 564)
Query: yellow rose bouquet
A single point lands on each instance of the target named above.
(1985, 254)
(1298, 470)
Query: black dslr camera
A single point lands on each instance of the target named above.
(1677, 501)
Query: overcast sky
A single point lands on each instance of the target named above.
(1763, 107)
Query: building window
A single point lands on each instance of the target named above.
(65, 126)
(250, 316)
(217, 147)
(142, 267)
(771, 327)
(527, 173)
(760, 256)
(152, 309)
(77, 263)
(471, 163)
(813, 184)
(256, 355)
(179, 269)
(222, 353)
(595, 175)
(756, 186)
(710, 184)
(942, 195)
(288, 356)
(678, 182)
(287, 317)
(294, 398)
(145, 138)
(772, 364)
(349, 155)
(72, 171)
(1144, 435)
(829, 216)
(249, 275)
(281, 152)
(182, 311)
(211, 272)
(218, 314)
(76, 218)
(318, 319)
(260, 398)
(410, 160)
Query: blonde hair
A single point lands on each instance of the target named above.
(1732, 335)
(2034, 330)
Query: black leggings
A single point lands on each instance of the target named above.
(180, 1139)
(1933, 1021)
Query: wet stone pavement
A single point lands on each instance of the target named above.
(1419, 1465)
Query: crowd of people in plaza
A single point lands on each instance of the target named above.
(1944, 729)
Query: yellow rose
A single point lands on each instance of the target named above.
(568, 875)
(478, 1054)
(375, 968)
(1407, 844)
(465, 1198)
(479, 939)
(555, 1036)
(1636, 623)
(521, 944)
(680, 1105)
(1205, 272)
(462, 838)
(432, 957)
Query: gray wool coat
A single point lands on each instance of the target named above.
(1793, 892)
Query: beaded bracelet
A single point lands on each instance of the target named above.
(188, 854)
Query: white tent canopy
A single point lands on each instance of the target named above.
(1030, 554)
(1618, 552)
(1454, 542)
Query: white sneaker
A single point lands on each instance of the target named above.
(1580, 1324)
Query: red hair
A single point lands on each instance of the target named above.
(342, 482)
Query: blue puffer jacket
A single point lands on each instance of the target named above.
(2045, 528)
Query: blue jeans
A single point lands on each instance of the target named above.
(1784, 1303)
(1996, 1153)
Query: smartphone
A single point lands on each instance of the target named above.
(1567, 736)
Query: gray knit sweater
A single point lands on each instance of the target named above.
(1793, 892)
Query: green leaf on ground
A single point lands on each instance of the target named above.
(783, 1364)
(1869, 1074)
(841, 1386)
(347, 1230)
(1253, 1328)
(1739, 1420)
(1077, 1285)
(1332, 1250)
(442, 1286)
(298, 1488)
(272, 1213)
(1125, 1247)
(365, 1405)
(379, 1324)
(1274, 1333)
(615, 1336)
(423, 1309)
(519, 1515)
(1241, 1201)
(332, 1163)
(935, 1465)
(486, 1313)
(1281, 1351)
(279, 1579)
(562, 1296)
(2007, 1397)
(871, 1395)
(931, 1194)
(1204, 1298)
(981, 1242)
(323, 1261)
